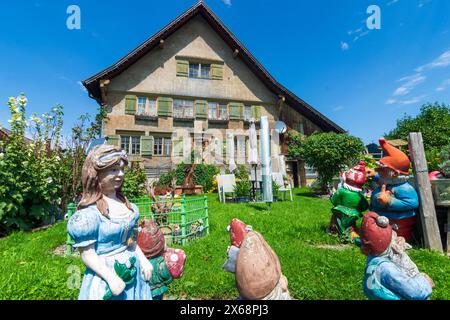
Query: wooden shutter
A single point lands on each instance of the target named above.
(182, 68)
(236, 111)
(201, 109)
(256, 112)
(146, 146)
(224, 151)
(114, 140)
(217, 71)
(165, 106)
(130, 104)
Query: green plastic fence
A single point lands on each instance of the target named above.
(180, 219)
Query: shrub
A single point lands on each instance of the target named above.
(242, 188)
(31, 173)
(241, 172)
(134, 182)
(330, 153)
(204, 175)
(165, 180)
(444, 157)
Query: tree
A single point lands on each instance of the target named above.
(433, 122)
(329, 153)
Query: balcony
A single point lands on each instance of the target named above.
(183, 113)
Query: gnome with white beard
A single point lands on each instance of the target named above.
(255, 264)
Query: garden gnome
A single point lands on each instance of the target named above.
(102, 229)
(389, 273)
(349, 203)
(395, 198)
(168, 263)
(255, 264)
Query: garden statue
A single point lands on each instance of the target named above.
(102, 229)
(394, 197)
(349, 204)
(255, 264)
(389, 273)
(168, 263)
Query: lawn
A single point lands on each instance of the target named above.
(295, 231)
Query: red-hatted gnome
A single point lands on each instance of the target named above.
(395, 198)
(349, 203)
(168, 263)
(255, 264)
(390, 274)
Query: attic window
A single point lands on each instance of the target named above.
(199, 70)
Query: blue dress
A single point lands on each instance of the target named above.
(88, 226)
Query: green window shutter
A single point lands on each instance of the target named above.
(182, 68)
(114, 140)
(130, 104)
(201, 109)
(146, 146)
(256, 112)
(178, 148)
(217, 71)
(236, 111)
(165, 106)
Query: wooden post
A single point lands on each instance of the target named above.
(423, 186)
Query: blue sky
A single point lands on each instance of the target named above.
(364, 80)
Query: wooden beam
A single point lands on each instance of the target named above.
(235, 53)
(161, 44)
(428, 217)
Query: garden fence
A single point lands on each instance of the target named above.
(181, 219)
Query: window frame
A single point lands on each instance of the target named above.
(199, 70)
(133, 143)
(184, 108)
(219, 108)
(164, 152)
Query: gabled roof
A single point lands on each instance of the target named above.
(200, 8)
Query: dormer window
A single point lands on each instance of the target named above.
(199, 70)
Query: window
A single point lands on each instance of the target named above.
(248, 113)
(162, 146)
(217, 111)
(152, 107)
(198, 70)
(183, 108)
(167, 147)
(146, 107)
(142, 102)
(131, 144)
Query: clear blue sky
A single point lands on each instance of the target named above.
(364, 80)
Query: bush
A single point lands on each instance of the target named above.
(444, 157)
(165, 180)
(31, 173)
(242, 188)
(204, 175)
(134, 182)
(330, 153)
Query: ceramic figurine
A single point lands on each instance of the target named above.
(102, 229)
(395, 198)
(255, 264)
(168, 263)
(349, 203)
(389, 273)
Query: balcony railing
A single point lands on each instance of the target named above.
(183, 113)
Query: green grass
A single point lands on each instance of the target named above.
(293, 229)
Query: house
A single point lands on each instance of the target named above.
(195, 75)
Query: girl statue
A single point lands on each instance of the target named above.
(102, 229)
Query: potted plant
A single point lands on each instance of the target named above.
(275, 188)
(242, 190)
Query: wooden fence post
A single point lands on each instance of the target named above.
(427, 210)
